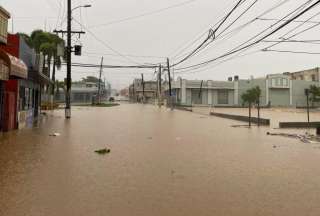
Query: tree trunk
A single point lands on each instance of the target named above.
(249, 114)
(53, 75)
(49, 65)
(258, 113)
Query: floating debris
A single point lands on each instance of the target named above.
(240, 126)
(307, 138)
(103, 151)
(55, 134)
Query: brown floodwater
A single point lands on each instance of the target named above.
(161, 163)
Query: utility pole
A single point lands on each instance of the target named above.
(68, 96)
(69, 51)
(308, 108)
(133, 92)
(159, 87)
(200, 91)
(170, 93)
(99, 85)
(142, 80)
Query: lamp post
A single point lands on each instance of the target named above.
(81, 6)
(69, 32)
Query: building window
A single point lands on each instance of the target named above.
(223, 97)
(285, 82)
(3, 29)
(313, 77)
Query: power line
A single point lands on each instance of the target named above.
(234, 31)
(112, 66)
(289, 51)
(104, 43)
(212, 34)
(307, 29)
(143, 15)
(243, 13)
(292, 41)
(239, 48)
(296, 21)
(135, 56)
(198, 37)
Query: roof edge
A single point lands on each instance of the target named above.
(5, 12)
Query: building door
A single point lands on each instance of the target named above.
(195, 96)
(223, 97)
(10, 109)
(2, 104)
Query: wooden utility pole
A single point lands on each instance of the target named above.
(68, 96)
(200, 91)
(69, 33)
(168, 66)
(142, 88)
(133, 92)
(159, 87)
(99, 81)
(170, 92)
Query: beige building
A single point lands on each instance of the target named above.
(4, 16)
(306, 75)
(149, 94)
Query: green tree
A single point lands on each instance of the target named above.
(315, 94)
(92, 79)
(250, 97)
(47, 43)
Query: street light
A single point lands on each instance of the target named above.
(81, 6)
(69, 32)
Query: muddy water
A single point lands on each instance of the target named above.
(161, 163)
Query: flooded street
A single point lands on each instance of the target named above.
(161, 163)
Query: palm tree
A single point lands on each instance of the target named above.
(47, 43)
(315, 94)
(252, 96)
(257, 94)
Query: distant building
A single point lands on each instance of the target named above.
(307, 75)
(277, 90)
(136, 93)
(83, 92)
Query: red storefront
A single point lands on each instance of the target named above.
(16, 69)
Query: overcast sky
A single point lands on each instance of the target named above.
(157, 31)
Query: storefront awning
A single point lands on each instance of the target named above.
(4, 67)
(16, 66)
